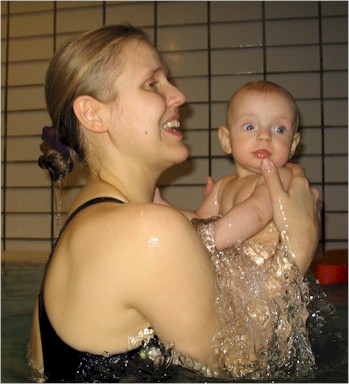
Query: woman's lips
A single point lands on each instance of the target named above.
(173, 127)
(262, 154)
(175, 132)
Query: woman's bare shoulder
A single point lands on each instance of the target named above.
(144, 214)
(124, 241)
(156, 237)
(120, 229)
(152, 222)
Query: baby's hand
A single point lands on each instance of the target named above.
(208, 187)
(157, 199)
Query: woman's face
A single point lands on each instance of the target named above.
(145, 115)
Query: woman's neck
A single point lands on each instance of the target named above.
(128, 179)
(130, 191)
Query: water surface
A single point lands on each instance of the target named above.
(19, 286)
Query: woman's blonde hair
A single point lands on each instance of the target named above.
(86, 65)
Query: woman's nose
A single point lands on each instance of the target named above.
(175, 96)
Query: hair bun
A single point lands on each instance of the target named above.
(49, 135)
(56, 156)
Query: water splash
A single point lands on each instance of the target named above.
(261, 306)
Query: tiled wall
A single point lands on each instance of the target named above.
(211, 49)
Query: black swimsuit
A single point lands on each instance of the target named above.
(63, 363)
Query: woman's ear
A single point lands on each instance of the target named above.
(88, 110)
(295, 141)
(224, 138)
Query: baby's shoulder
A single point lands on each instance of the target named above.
(229, 180)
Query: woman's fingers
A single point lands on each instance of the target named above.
(297, 170)
(296, 213)
(272, 179)
(279, 197)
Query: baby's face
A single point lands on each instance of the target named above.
(262, 125)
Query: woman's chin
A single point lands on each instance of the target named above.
(179, 156)
(185, 153)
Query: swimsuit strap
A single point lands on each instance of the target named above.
(97, 200)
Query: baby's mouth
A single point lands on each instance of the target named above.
(262, 154)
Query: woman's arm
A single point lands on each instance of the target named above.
(171, 281)
(296, 212)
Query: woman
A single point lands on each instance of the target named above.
(129, 289)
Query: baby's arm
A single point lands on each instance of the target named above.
(242, 221)
(239, 223)
(249, 217)
(245, 219)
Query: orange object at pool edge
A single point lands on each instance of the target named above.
(331, 273)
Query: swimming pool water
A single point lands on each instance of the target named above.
(19, 285)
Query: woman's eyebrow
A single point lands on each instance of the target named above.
(163, 68)
(153, 71)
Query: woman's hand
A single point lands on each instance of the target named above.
(296, 212)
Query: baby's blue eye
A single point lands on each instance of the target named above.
(280, 129)
(248, 127)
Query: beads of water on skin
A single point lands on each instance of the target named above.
(154, 242)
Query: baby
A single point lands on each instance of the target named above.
(262, 122)
(270, 300)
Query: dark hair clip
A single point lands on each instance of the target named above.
(49, 135)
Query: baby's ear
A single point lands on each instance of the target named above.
(88, 110)
(224, 138)
(295, 141)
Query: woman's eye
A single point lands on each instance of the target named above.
(151, 84)
(247, 127)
